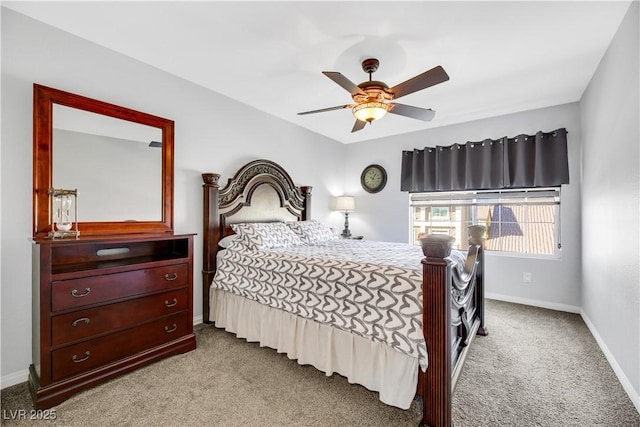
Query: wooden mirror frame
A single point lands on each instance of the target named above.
(43, 100)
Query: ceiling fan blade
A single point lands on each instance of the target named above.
(358, 125)
(344, 82)
(322, 110)
(424, 114)
(429, 78)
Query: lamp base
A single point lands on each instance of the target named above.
(346, 233)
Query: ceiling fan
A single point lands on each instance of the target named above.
(372, 98)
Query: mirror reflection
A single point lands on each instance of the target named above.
(115, 164)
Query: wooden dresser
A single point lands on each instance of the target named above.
(103, 306)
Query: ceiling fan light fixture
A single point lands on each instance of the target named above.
(373, 99)
(370, 111)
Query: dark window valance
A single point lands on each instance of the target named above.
(525, 161)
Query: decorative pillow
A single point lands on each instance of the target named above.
(266, 235)
(312, 231)
(226, 241)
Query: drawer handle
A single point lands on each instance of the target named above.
(170, 304)
(78, 360)
(171, 278)
(82, 319)
(169, 330)
(75, 294)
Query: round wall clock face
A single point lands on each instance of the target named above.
(373, 178)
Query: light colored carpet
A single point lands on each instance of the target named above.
(537, 367)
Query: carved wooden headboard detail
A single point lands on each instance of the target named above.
(261, 191)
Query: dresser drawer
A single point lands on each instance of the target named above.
(94, 353)
(74, 293)
(99, 320)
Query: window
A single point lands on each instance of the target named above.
(525, 221)
(439, 212)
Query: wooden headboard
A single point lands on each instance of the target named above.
(261, 191)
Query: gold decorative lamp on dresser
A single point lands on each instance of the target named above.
(109, 295)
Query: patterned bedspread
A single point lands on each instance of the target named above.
(372, 289)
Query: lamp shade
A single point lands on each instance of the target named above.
(370, 111)
(345, 204)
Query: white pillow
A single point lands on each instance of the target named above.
(312, 231)
(226, 241)
(266, 235)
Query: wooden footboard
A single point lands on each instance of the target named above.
(453, 312)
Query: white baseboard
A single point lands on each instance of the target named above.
(626, 384)
(14, 378)
(22, 376)
(534, 303)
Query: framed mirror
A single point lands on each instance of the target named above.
(119, 160)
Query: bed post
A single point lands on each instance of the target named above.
(306, 193)
(211, 219)
(436, 319)
(476, 237)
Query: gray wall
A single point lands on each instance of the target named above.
(611, 202)
(213, 134)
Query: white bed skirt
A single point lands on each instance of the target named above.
(373, 365)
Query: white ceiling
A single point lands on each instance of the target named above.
(502, 57)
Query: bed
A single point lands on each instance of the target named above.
(395, 318)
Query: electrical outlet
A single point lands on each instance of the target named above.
(526, 277)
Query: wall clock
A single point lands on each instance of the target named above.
(373, 178)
